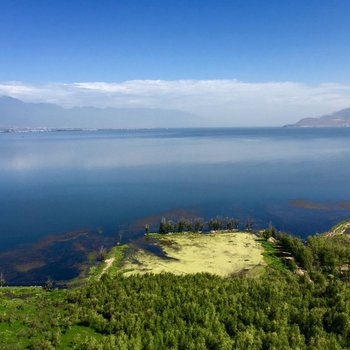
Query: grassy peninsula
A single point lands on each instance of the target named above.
(299, 299)
(223, 254)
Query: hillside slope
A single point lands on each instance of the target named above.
(339, 119)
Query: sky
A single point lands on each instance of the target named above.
(235, 63)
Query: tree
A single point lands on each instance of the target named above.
(215, 224)
(163, 226)
(166, 226)
(198, 225)
(49, 284)
(102, 253)
(249, 224)
(232, 223)
(181, 225)
(2, 280)
(146, 228)
(120, 239)
(269, 232)
(170, 226)
(188, 225)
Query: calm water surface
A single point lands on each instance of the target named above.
(64, 194)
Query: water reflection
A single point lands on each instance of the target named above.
(33, 152)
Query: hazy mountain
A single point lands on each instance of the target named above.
(340, 119)
(18, 114)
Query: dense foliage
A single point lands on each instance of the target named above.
(328, 255)
(331, 254)
(206, 312)
(278, 310)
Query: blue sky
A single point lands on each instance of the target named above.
(44, 43)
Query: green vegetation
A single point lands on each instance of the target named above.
(331, 254)
(26, 317)
(115, 257)
(277, 310)
(271, 256)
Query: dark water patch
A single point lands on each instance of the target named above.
(151, 245)
(343, 205)
(312, 205)
(59, 257)
(314, 217)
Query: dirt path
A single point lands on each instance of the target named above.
(109, 263)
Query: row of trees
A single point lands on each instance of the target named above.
(199, 225)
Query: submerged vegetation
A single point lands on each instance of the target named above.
(301, 301)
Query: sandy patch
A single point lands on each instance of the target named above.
(220, 253)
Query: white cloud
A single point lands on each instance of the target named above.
(219, 102)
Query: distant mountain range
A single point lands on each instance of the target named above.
(340, 119)
(16, 114)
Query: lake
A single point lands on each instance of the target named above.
(65, 194)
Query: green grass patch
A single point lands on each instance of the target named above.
(78, 337)
(117, 253)
(153, 234)
(271, 256)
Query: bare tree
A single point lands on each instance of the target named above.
(215, 224)
(188, 225)
(231, 223)
(102, 253)
(49, 284)
(120, 239)
(249, 224)
(2, 280)
(162, 226)
(146, 228)
(198, 225)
